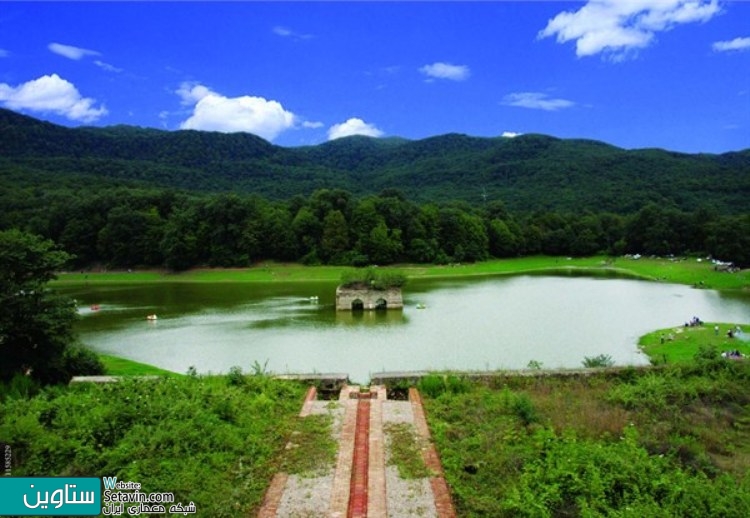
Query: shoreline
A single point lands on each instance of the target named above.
(694, 272)
(685, 271)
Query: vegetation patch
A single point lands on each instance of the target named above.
(311, 450)
(602, 360)
(689, 272)
(116, 366)
(373, 278)
(405, 451)
(670, 441)
(208, 440)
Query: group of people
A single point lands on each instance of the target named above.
(694, 322)
(734, 354)
(731, 333)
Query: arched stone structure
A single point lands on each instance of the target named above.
(348, 299)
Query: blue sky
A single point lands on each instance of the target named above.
(673, 74)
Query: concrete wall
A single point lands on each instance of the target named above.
(346, 296)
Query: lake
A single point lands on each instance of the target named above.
(466, 324)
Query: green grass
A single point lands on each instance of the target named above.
(665, 442)
(212, 440)
(311, 451)
(405, 451)
(680, 344)
(688, 271)
(116, 366)
(263, 272)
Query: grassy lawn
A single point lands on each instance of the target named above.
(680, 344)
(687, 271)
(673, 441)
(262, 272)
(116, 366)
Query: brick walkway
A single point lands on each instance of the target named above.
(359, 487)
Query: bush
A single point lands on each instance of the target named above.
(190, 436)
(603, 360)
(524, 409)
(575, 477)
(434, 385)
(80, 361)
(235, 376)
(20, 386)
(373, 278)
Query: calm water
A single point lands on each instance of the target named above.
(499, 323)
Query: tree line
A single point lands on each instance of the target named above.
(128, 227)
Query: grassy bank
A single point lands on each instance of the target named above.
(687, 271)
(116, 366)
(674, 441)
(680, 344)
(215, 441)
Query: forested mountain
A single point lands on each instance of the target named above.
(124, 196)
(528, 173)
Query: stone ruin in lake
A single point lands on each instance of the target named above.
(359, 298)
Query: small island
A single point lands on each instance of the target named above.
(370, 289)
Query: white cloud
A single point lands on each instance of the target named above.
(191, 93)
(106, 66)
(282, 31)
(615, 27)
(4, 53)
(446, 71)
(536, 101)
(53, 94)
(215, 112)
(510, 134)
(312, 124)
(286, 32)
(71, 52)
(735, 44)
(353, 126)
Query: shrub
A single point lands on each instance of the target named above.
(192, 436)
(80, 361)
(575, 477)
(534, 365)
(20, 386)
(434, 385)
(235, 376)
(373, 278)
(603, 360)
(524, 409)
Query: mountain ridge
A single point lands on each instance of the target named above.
(527, 172)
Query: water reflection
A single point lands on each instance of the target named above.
(388, 317)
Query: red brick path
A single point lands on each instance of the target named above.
(359, 478)
(358, 491)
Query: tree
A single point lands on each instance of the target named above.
(383, 246)
(281, 243)
(503, 243)
(179, 246)
(131, 237)
(652, 231)
(335, 240)
(462, 235)
(308, 229)
(36, 326)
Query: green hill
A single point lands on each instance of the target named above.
(526, 173)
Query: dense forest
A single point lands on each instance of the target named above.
(527, 173)
(126, 197)
(126, 227)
